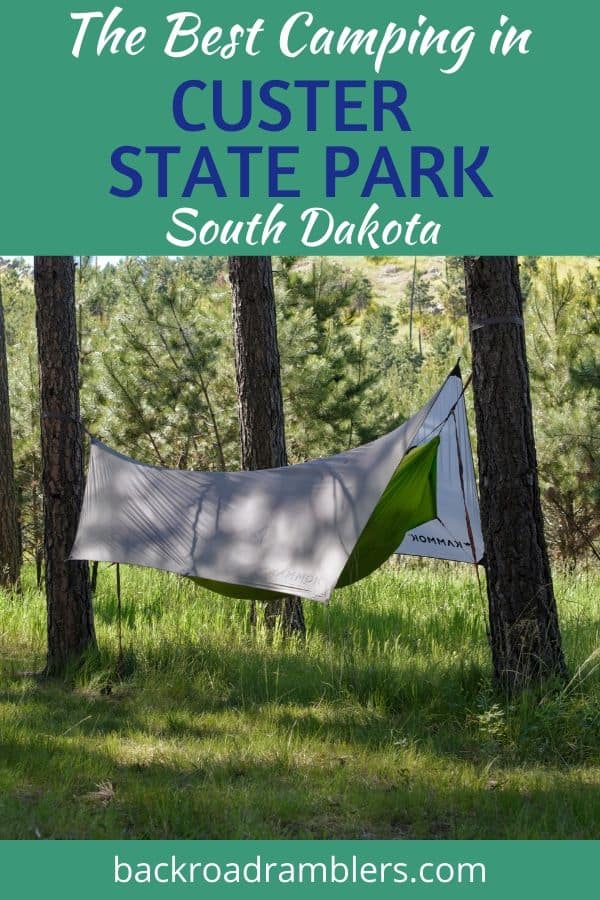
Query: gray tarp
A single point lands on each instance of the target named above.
(287, 530)
(447, 537)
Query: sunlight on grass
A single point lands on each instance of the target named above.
(384, 724)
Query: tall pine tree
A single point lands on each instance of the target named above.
(10, 529)
(524, 631)
(68, 599)
(260, 402)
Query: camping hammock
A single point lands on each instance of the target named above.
(301, 530)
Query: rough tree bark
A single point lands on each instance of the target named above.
(524, 631)
(260, 401)
(68, 599)
(10, 528)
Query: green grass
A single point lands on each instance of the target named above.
(383, 725)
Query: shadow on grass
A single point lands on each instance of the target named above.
(252, 800)
(380, 726)
(447, 708)
(51, 789)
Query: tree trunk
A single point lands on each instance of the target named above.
(10, 530)
(260, 401)
(70, 617)
(524, 631)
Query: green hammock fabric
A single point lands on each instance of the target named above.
(408, 501)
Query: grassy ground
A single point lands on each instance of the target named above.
(383, 725)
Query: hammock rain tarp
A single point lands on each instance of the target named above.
(301, 530)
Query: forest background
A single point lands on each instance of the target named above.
(363, 342)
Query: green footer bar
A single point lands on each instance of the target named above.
(232, 869)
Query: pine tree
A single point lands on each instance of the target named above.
(10, 529)
(563, 329)
(166, 365)
(260, 400)
(333, 385)
(70, 617)
(524, 630)
(23, 366)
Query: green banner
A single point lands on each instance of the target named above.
(230, 869)
(429, 128)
